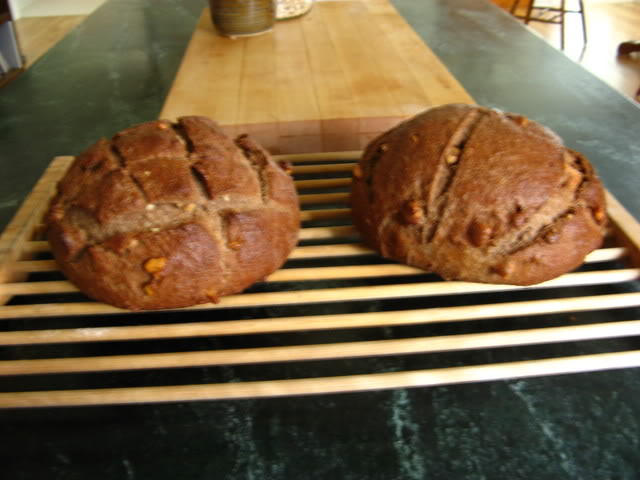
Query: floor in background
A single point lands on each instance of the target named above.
(44, 23)
(36, 35)
(51, 8)
(609, 22)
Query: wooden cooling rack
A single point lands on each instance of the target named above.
(327, 235)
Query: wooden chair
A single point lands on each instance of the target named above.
(627, 48)
(538, 14)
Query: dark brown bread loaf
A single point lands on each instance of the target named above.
(170, 215)
(478, 195)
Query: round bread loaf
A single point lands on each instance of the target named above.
(478, 195)
(170, 215)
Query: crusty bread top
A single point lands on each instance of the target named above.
(130, 183)
(477, 194)
(220, 213)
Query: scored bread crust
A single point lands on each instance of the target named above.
(479, 195)
(170, 215)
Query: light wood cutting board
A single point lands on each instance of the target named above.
(328, 81)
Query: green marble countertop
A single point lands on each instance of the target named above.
(115, 70)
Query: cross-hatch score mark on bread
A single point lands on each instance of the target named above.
(168, 215)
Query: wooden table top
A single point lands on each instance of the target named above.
(328, 81)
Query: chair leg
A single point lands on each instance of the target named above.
(562, 14)
(584, 22)
(625, 48)
(527, 17)
(514, 7)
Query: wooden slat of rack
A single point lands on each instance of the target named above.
(324, 198)
(327, 232)
(330, 214)
(283, 275)
(332, 168)
(326, 385)
(354, 349)
(319, 251)
(323, 322)
(256, 356)
(626, 229)
(322, 183)
(28, 216)
(313, 233)
(314, 251)
(347, 249)
(341, 294)
(337, 232)
(33, 207)
(292, 97)
(318, 156)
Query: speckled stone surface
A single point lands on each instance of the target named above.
(115, 70)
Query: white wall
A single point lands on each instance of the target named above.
(18, 7)
(45, 8)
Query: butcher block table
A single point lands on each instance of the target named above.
(326, 82)
(248, 388)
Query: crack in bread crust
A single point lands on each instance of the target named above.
(182, 134)
(223, 216)
(123, 166)
(257, 161)
(118, 155)
(137, 184)
(586, 176)
(529, 232)
(200, 183)
(464, 191)
(438, 192)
